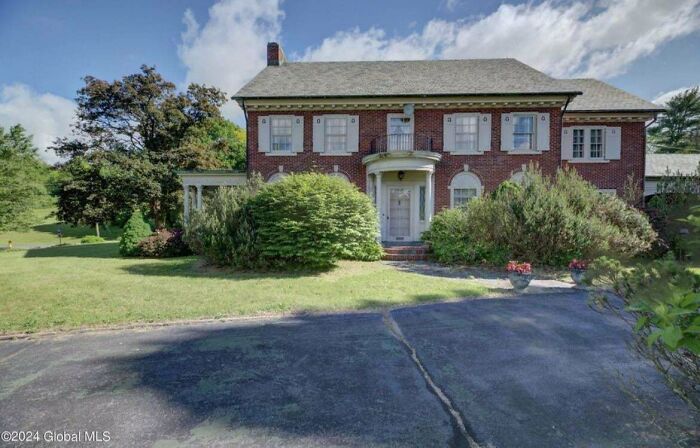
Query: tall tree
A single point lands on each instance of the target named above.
(144, 120)
(22, 178)
(678, 129)
(216, 143)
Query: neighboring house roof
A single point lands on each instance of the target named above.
(599, 96)
(401, 78)
(659, 165)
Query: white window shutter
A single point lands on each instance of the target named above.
(613, 143)
(448, 133)
(543, 132)
(319, 137)
(264, 134)
(484, 132)
(506, 132)
(567, 143)
(353, 133)
(298, 133)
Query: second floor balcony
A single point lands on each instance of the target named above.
(401, 142)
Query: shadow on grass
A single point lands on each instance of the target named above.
(110, 233)
(195, 267)
(101, 250)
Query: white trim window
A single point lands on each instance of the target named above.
(596, 143)
(464, 187)
(336, 134)
(579, 144)
(281, 134)
(524, 132)
(466, 133)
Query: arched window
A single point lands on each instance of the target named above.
(464, 187)
(339, 175)
(518, 177)
(276, 177)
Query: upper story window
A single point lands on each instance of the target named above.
(336, 134)
(466, 133)
(596, 138)
(578, 144)
(524, 132)
(400, 132)
(281, 132)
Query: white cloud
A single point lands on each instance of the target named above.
(45, 116)
(563, 39)
(230, 48)
(663, 98)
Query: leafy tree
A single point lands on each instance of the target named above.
(100, 187)
(216, 143)
(142, 119)
(22, 178)
(678, 129)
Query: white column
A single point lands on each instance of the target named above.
(186, 201)
(199, 197)
(429, 196)
(378, 202)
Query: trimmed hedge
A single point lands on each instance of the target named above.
(313, 220)
(547, 221)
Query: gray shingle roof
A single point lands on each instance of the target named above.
(599, 96)
(401, 78)
(657, 165)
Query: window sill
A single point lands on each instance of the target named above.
(465, 153)
(281, 154)
(335, 154)
(529, 152)
(588, 161)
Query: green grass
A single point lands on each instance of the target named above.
(44, 232)
(87, 285)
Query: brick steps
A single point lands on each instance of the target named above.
(405, 253)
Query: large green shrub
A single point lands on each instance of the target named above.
(663, 300)
(312, 220)
(545, 220)
(224, 231)
(135, 229)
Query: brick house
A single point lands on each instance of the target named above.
(421, 136)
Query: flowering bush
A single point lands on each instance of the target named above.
(578, 265)
(518, 268)
(163, 243)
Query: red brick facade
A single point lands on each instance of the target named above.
(492, 167)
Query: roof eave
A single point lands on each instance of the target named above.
(616, 111)
(416, 95)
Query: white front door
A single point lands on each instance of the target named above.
(399, 214)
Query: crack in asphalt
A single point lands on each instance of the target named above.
(464, 436)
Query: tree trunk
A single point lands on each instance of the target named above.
(97, 229)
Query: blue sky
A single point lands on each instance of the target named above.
(648, 47)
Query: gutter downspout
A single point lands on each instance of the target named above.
(245, 115)
(656, 115)
(561, 118)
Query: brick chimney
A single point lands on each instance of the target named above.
(275, 55)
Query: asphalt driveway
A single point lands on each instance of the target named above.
(531, 371)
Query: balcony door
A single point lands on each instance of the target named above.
(399, 132)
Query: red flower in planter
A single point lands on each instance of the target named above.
(518, 268)
(578, 265)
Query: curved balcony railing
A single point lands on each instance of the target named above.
(401, 142)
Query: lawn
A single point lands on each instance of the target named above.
(90, 285)
(43, 233)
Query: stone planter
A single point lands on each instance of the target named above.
(578, 276)
(519, 281)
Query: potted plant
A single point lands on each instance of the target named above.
(519, 274)
(578, 268)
